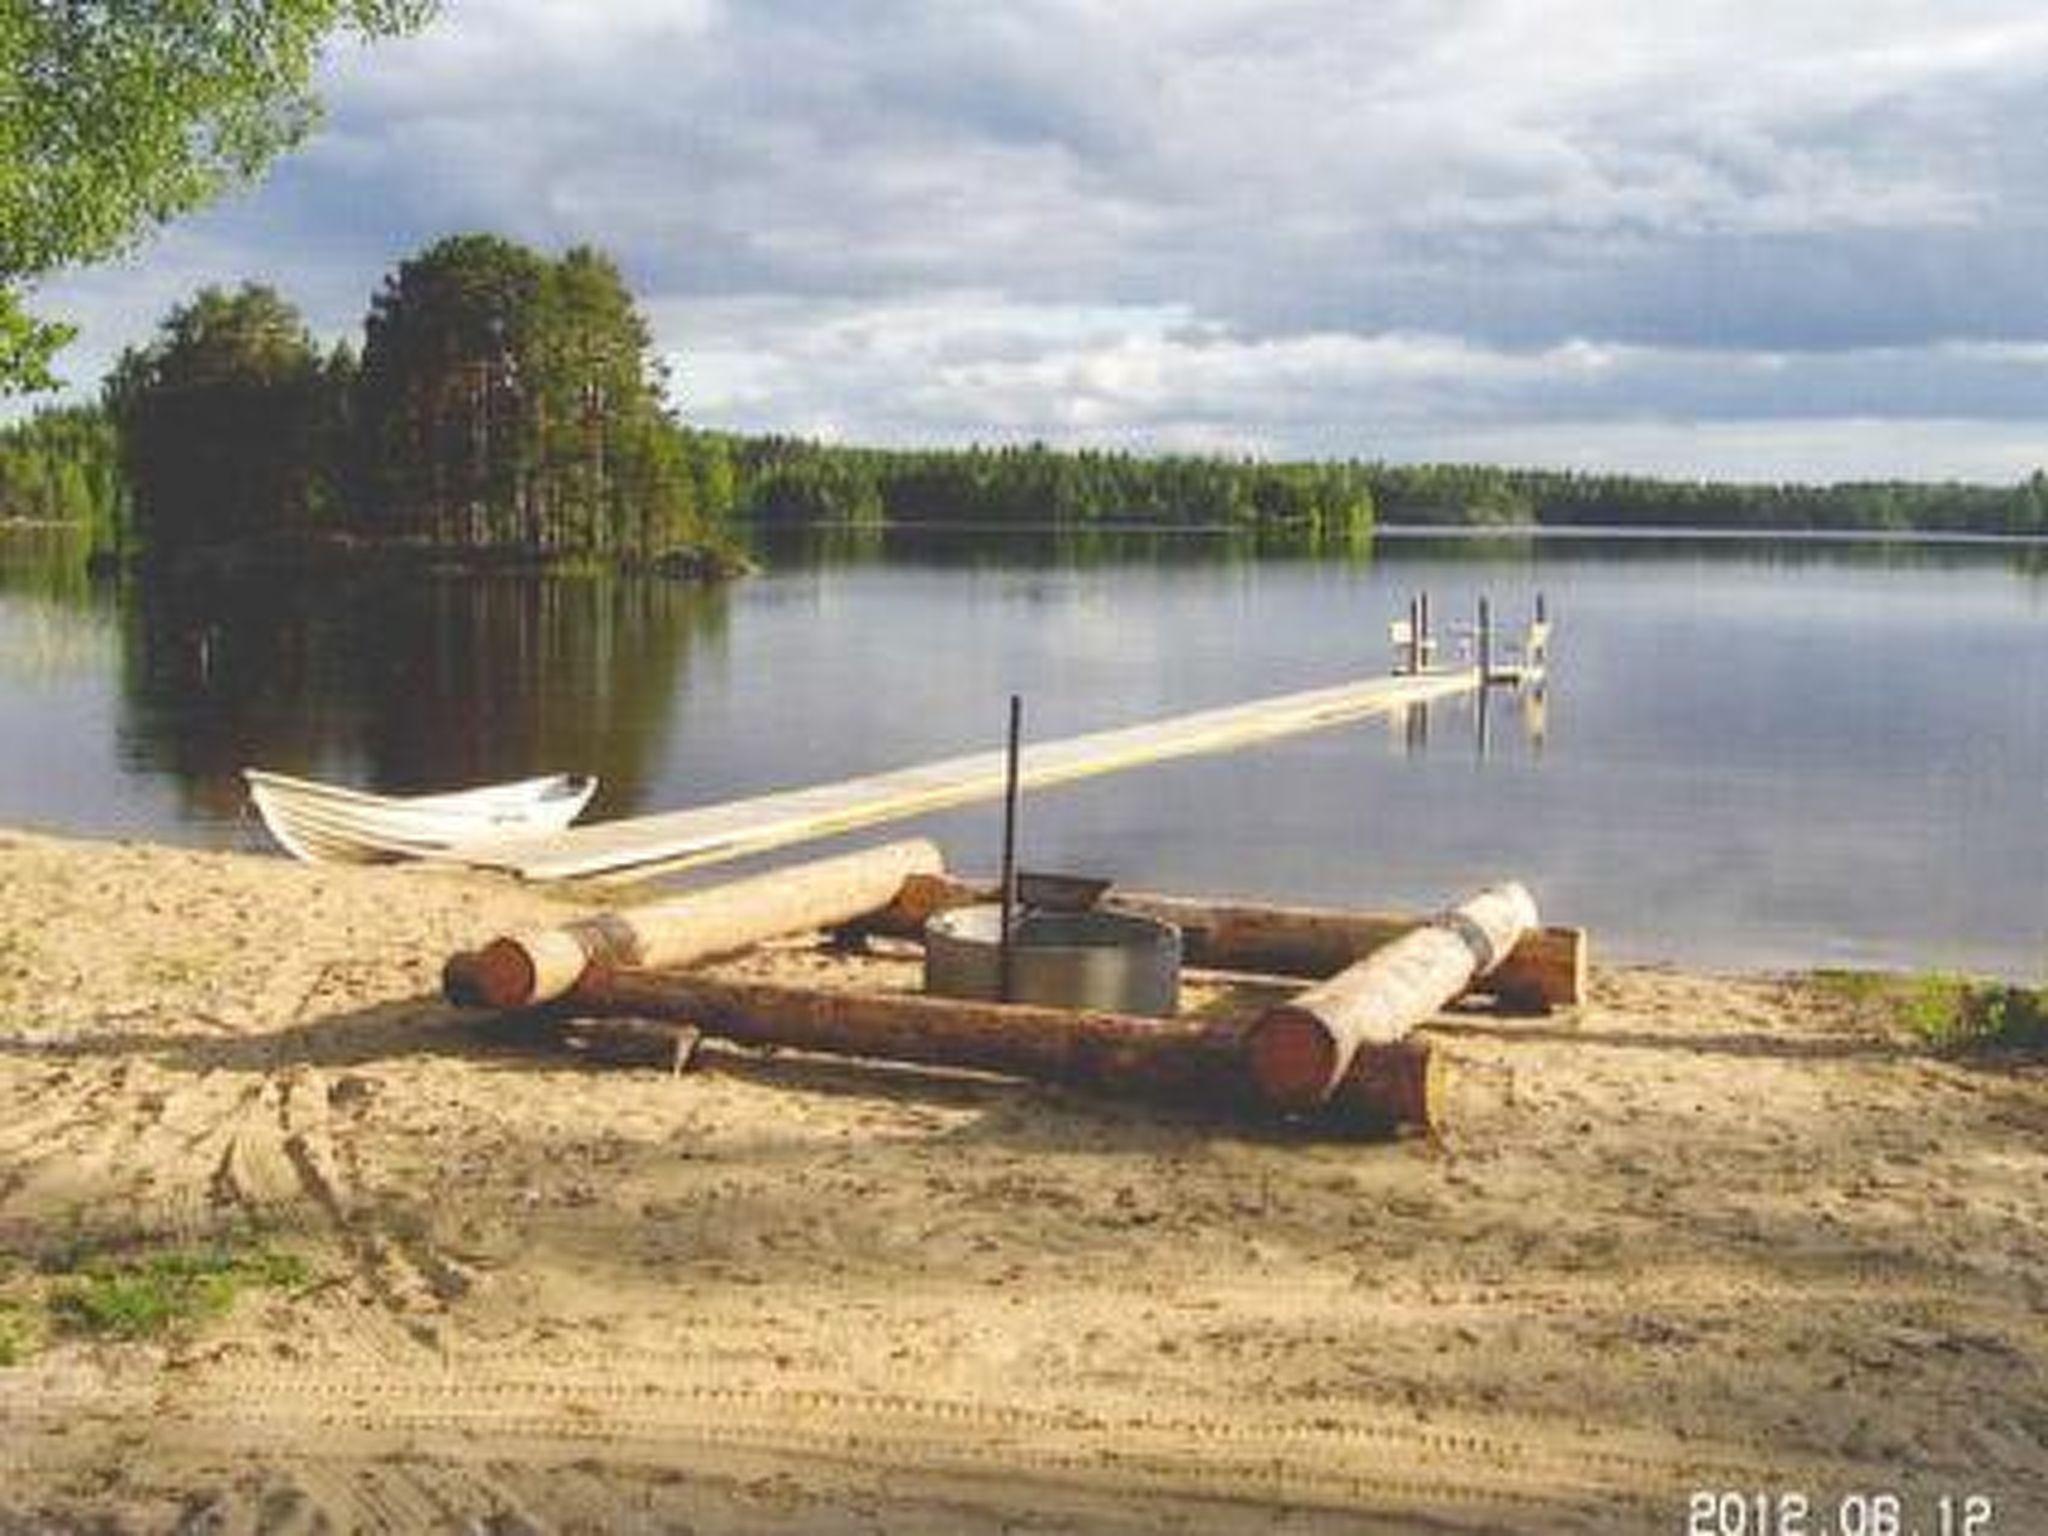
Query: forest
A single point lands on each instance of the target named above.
(504, 404)
(787, 480)
(63, 465)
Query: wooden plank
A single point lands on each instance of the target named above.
(641, 845)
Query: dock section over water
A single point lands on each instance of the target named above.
(643, 845)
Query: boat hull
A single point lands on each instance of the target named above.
(331, 824)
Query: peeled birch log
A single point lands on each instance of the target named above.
(1545, 969)
(1302, 1049)
(522, 969)
(1186, 1061)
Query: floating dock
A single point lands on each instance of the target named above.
(645, 845)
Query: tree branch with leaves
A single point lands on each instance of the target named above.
(117, 116)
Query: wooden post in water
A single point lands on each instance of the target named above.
(1423, 648)
(1485, 642)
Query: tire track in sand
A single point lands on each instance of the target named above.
(278, 1166)
(1502, 1465)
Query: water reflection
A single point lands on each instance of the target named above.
(1526, 704)
(407, 685)
(1765, 750)
(55, 621)
(1032, 546)
(1709, 548)
(1523, 710)
(1028, 546)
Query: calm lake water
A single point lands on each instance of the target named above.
(1750, 753)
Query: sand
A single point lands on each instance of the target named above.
(1705, 1233)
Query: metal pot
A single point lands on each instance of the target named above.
(1111, 961)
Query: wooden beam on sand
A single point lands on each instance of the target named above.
(1545, 969)
(519, 970)
(642, 845)
(1301, 1050)
(1183, 1061)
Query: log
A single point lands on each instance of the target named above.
(1186, 1061)
(1023, 1039)
(1546, 968)
(1302, 1049)
(522, 969)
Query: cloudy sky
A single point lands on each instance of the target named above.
(1758, 238)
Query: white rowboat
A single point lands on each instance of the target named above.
(328, 824)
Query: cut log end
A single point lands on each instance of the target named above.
(500, 975)
(1293, 1058)
(1388, 1090)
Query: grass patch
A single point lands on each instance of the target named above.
(137, 1295)
(18, 1332)
(1950, 1014)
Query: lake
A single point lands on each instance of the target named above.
(1750, 753)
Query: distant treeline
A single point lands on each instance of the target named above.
(787, 480)
(63, 465)
(1468, 495)
(784, 480)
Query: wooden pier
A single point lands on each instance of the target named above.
(644, 845)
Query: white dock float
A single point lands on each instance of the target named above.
(644, 845)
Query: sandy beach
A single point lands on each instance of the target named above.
(1705, 1233)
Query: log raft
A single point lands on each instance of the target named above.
(1341, 1053)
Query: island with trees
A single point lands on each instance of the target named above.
(503, 407)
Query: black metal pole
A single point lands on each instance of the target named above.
(1004, 967)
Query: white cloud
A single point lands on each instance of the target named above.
(1309, 226)
(969, 366)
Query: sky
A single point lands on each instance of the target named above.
(1758, 239)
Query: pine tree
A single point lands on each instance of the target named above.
(218, 421)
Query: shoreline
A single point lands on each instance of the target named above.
(1785, 965)
(484, 559)
(1705, 1227)
(354, 554)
